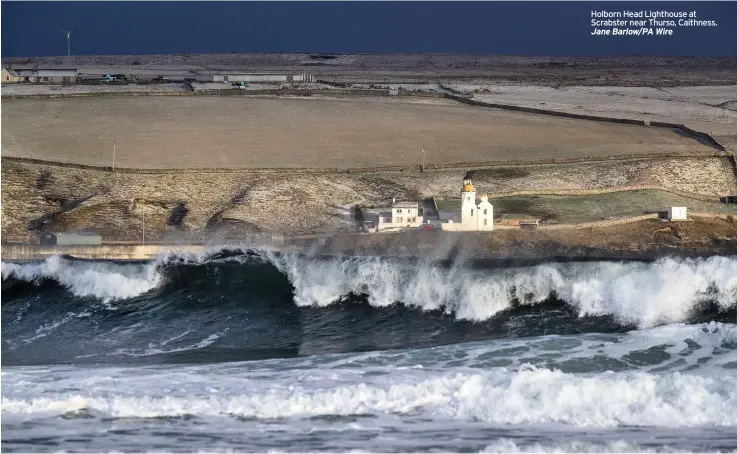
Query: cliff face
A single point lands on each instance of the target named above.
(187, 205)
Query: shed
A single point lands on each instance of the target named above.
(71, 238)
(677, 214)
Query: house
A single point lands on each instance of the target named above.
(9, 76)
(71, 238)
(51, 76)
(474, 215)
(303, 77)
(677, 214)
(403, 214)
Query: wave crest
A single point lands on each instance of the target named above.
(645, 294)
(104, 280)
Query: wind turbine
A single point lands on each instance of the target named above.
(69, 40)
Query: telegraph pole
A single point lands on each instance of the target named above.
(113, 155)
(143, 228)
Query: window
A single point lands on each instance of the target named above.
(468, 199)
(484, 211)
(471, 211)
(484, 221)
(399, 220)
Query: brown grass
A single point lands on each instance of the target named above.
(208, 132)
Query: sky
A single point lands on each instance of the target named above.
(506, 28)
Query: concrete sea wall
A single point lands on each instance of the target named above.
(24, 252)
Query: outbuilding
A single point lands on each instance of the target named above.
(246, 78)
(677, 214)
(71, 238)
(49, 76)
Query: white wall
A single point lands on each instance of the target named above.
(485, 215)
(677, 213)
(404, 216)
(469, 210)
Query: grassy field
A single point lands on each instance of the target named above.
(208, 132)
(576, 209)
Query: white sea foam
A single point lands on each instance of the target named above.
(506, 445)
(497, 396)
(647, 294)
(102, 280)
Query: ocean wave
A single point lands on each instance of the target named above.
(508, 445)
(645, 294)
(671, 348)
(103, 280)
(499, 396)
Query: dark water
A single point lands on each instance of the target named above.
(256, 351)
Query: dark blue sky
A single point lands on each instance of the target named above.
(512, 28)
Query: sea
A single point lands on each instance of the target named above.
(266, 351)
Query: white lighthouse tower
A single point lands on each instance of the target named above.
(469, 211)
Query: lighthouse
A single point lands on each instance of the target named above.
(469, 211)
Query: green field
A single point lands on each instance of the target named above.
(577, 209)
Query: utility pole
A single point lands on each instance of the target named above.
(423, 159)
(143, 229)
(113, 155)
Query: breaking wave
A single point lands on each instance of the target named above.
(643, 294)
(498, 396)
(103, 280)
(646, 294)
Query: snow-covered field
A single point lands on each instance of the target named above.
(40, 89)
(691, 105)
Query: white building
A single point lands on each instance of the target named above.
(475, 216)
(403, 214)
(677, 214)
(303, 77)
(52, 76)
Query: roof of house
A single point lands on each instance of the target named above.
(10, 70)
(405, 204)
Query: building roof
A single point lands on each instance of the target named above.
(71, 234)
(405, 204)
(47, 72)
(10, 70)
